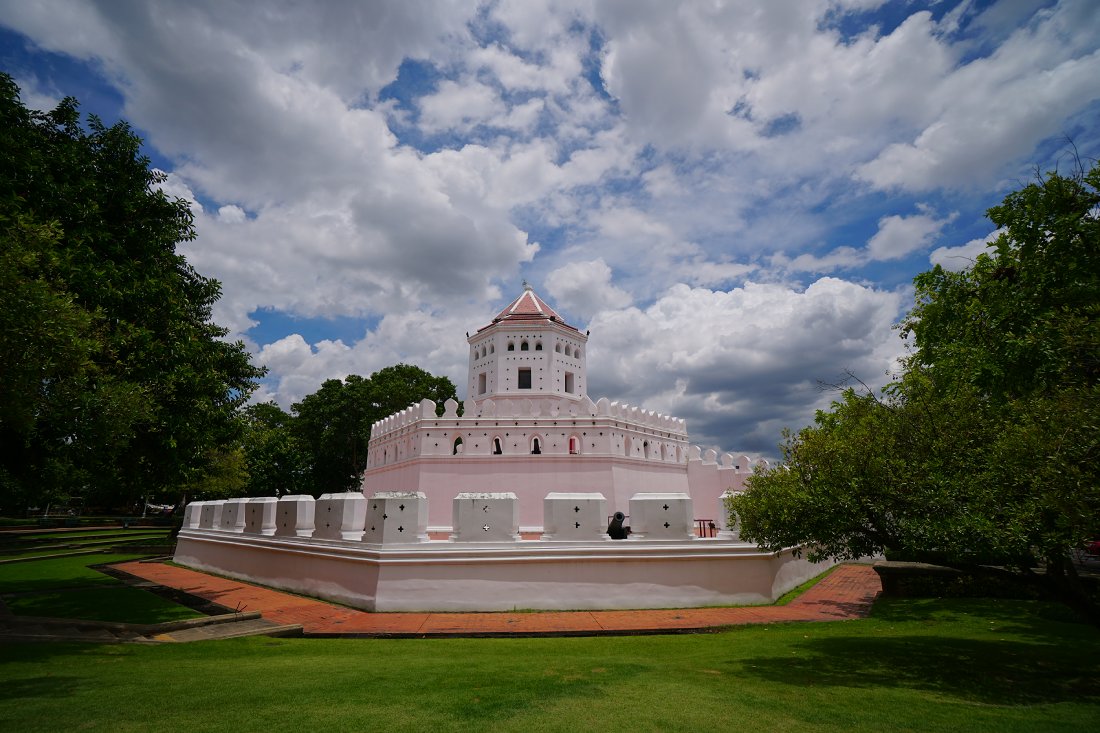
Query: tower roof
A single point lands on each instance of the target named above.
(528, 307)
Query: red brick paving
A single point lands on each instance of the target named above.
(846, 593)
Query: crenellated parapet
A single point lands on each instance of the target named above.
(529, 427)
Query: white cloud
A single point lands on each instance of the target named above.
(963, 256)
(623, 153)
(998, 107)
(839, 258)
(456, 105)
(33, 94)
(430, 340)
(897, 236)
(738, 364)
(583, 288)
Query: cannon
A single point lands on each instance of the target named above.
(615, 528)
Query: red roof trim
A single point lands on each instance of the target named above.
(529, 307)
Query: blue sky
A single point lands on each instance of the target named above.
(733, 197)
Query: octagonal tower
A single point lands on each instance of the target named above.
(527, 352)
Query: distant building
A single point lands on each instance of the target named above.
(529, 427)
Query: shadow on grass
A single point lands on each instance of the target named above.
(1040, 621)
(995, 672)
(48, 686)
(57, 574)
(829, 607)
(111, 603)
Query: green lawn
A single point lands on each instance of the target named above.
(953, 665)
(58, 573)
(66, 587)
(68, 549)
(77, 535)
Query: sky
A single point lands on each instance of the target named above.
(732, 197)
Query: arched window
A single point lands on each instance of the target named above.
(557, 348)
(511, 346)
(457, 447)
(645, 448)
(576, 353)
(498, 448)
(568, 350)
(536, 446)
(538, 346)
(627, 445)
(492, 349)
(524, 346)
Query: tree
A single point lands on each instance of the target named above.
(334, 423)
(116, 384)
(276, 461)
(985, 449)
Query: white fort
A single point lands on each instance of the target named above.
(507, 506)
(529, 427)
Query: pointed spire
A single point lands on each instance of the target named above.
(529, 307)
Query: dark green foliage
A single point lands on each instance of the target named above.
(1023, 319)
(987, 448)
(333, 424)
(277, 461)
(116, 385)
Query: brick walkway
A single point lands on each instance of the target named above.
(845, 594)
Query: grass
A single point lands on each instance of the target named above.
(915, 665)
(45, 552)
(44, 544)
(58, 573)
(793, 593)
(63, 550)
(109, 603)
(66, 587)
(99, 533)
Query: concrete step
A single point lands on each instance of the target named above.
(230, 630)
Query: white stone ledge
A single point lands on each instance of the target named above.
(448, 576)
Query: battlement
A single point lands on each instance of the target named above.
(527, 408)
(527, 427)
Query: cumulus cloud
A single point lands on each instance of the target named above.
(408, 164)
(996, 108)
(458, 105)
(34, 95)
(740, 364)
(583, 288)
(432, 340)
(897, 236)
(963, 256)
